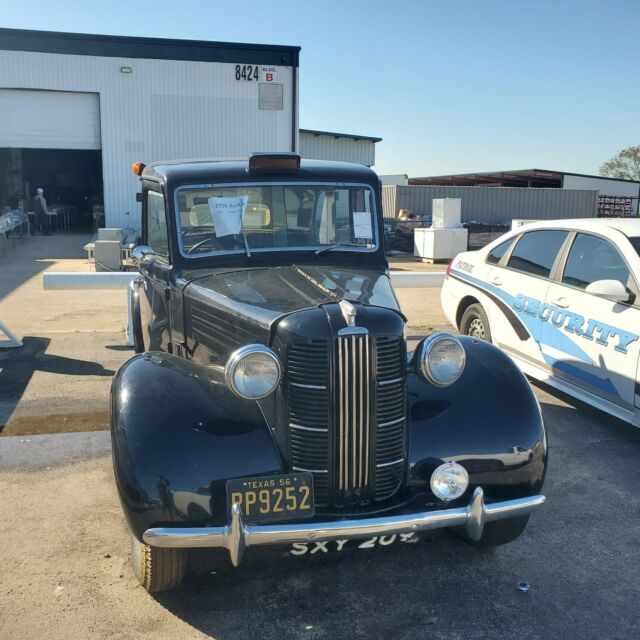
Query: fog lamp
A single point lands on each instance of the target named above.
(449, 481)
(252, 372)
(440, 359)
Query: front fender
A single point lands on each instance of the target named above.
(489, 421)
(178, 434)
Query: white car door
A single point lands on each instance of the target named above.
(589, 340)
(521, 281)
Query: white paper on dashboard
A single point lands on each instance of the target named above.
(226, 214)
(362, 225)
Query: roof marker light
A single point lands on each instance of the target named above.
(263, 162)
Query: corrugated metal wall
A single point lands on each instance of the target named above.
(494, 205)
(340, 149)
(163, 109)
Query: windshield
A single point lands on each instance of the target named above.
(636, 244)
(251, 218)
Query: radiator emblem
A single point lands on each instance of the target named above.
(349, 313)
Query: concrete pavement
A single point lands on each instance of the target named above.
(74, 341)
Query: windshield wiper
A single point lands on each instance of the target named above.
(331, 247)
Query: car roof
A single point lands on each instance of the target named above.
(628, 226)
(208, 170)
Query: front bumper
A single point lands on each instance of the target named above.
(237, 536)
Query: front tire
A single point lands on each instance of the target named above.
(496, 533)
(475, 323)
(157, 569)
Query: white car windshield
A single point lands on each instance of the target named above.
(240, 218)
(636, 244)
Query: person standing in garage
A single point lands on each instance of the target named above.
(40, 208)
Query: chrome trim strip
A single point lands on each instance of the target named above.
(316, 429)
(388, 424)
(388, 464)
(394, 381)
(308, 386)
(310, 470)
(353, 406)
(367, 372)
(236, 536)
(340, 418)
(351, 331)
(359, 375)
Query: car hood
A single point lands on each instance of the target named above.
(264, 295)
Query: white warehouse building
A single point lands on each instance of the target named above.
(345, 147)
(77, 110)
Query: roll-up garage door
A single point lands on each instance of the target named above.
(49, 120)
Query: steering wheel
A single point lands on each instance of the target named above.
(202, 242)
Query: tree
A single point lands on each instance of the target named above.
(625, 164)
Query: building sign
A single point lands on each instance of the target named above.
(269, 74)
(271, 96)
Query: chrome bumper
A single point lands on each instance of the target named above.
(238, 535)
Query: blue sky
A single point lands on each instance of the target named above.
(449, 86)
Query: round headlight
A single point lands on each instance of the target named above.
(252, 372)
(449, 481)
(441, 359)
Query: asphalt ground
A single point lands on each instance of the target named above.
(579, 555)
(64, 557)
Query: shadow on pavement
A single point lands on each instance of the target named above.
(33, 255)
(17, 367)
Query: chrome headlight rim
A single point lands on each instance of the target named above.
(236, 358)
(422, 360)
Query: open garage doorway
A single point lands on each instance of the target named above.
(71, 179)
(51, 139)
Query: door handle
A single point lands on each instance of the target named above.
(496, 280)
(560, 302)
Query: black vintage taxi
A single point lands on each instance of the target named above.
(272, 400)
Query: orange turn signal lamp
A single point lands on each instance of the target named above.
(138, 168)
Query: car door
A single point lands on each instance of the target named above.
(589, 340)
(155, 269)
(520, 281)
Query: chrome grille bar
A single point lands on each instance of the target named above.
(353, 411)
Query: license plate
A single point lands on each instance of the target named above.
(273, 498)
(319, 548)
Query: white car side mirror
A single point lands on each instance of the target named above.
(612, 290)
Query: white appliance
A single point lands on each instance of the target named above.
(439, 244)
(446, 212)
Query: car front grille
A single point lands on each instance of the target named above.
(347, 417)
(308, 385)
(391, 427)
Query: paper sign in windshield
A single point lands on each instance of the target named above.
(362, 225)
(227, 214)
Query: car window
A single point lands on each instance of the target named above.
(157, 234)
(497, 252)
(275, 217)
(536, 252)
(592, 258)
(636, 244)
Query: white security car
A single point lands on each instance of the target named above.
(562, 298)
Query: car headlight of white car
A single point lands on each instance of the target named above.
(440, 359)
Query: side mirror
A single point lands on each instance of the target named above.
(612, 290)
(140, 253)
